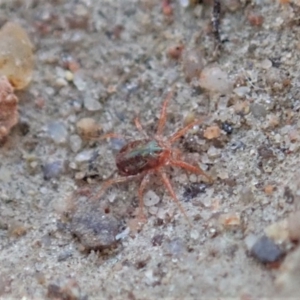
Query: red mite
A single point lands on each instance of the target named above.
(142, 158)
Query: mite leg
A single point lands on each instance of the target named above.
(191, 168)
(138, 125)
(182, 131)
(163, 114)
(142, 187)
(169, 187)
(108, 183)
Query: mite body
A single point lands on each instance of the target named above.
(142, 155)
(141, 158)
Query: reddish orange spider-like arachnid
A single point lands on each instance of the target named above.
(142, 158)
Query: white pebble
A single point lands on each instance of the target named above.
(153, 210)
(75, 143)
(123, 234)
(84, 156)
(151, 198)
(242, 91)
(79, 82)
(91, 103)
(194, 234)
(266, 64)
(58, 132)
(213, 152)
(250, 240)
(215, 80)
(184, 3)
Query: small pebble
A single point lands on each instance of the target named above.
(95, 230)
(287, 281)
(79, 81)
(151, 198)
(117, 144)
(242, 91)
(266, 64)
(278, 232)
(269, 189)
(91, 103)
(88, 128)
(184, 3)
(242, 108)
(265, 152)
(193, 63)
(255, 19)
(294, 226)
(232, 5)
(230, 219)
(258, 110)
(214, 79)
(266, 251)
(176, 247)
(84, 156)
(16, 55)
(58, 132)
(64, 255)
(53, 169)
(212, 132)
(75, 143)
(69, 76)
(122, 235)
(194, 234)
(17, 229)
(227, 128)
(175, 52)
(61, 82)
(250, 241)
(213, 152)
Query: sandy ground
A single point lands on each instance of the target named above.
(48, 235)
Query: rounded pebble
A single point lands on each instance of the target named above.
(53, 169)
(95, 230)
(266, 251)
(212, 132)
(213, 152)
(84, 156)
(16, 55)
(214, 79)
(258, 110)
(193, 63)
(75, 143)
(88, 128)
(242, 91)
(151, 198)
(91, 103)
(176, 247)
(58, 132)
(227, 128)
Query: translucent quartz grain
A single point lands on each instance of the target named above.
(16, 55)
